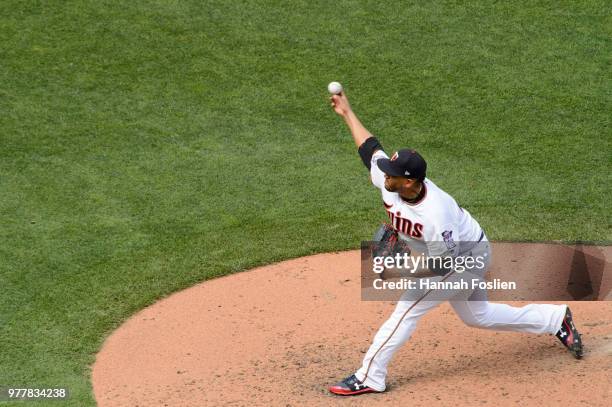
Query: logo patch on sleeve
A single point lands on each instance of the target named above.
(447, 235)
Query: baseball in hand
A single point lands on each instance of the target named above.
(334, 88)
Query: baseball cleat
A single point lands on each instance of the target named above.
(569, 336)
(351, 386)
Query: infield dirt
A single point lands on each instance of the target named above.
(279, 335)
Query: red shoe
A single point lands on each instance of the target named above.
(351, 386)
(569, 336)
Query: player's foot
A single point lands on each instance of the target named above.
(569, 336)
(351, 386)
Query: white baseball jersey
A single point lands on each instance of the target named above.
(435, 224)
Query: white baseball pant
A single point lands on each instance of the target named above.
(476, 311)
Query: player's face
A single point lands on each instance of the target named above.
(393, 184)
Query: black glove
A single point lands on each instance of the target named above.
(387, 242)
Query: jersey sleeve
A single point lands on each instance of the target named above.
(442, 237)
(376, 174)
(445, 242)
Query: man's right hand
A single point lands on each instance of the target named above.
(340, 104)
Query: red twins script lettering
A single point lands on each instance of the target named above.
(406, 226)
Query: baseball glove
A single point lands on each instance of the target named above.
(387, 242)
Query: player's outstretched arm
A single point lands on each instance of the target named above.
(368, 145)
(342, 107)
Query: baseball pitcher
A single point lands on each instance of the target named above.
(429, 220)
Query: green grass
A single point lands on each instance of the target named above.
(149, 145)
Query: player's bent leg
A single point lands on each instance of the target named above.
(389, 338)
(532, 318)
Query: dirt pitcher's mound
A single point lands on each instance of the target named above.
(279, 335)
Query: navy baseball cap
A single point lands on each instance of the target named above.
(405, 163)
